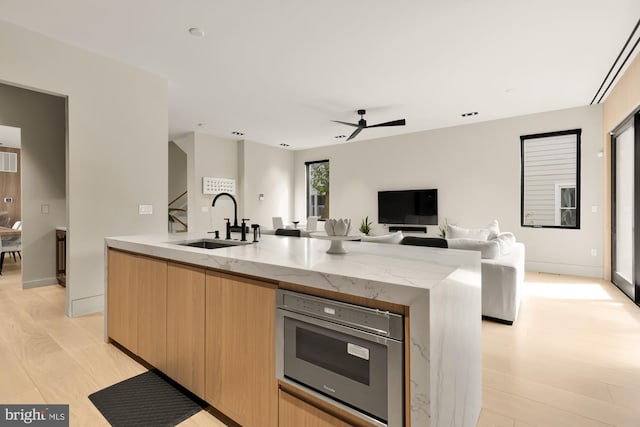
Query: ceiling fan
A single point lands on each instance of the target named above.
(362, 124)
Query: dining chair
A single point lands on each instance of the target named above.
(11, 245)
(312, 223)
(16, 226)
(277, 222)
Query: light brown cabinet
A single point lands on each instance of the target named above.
(137, 305)
(152, 311)
(240, 354)
(185, 326)
(122, 299)
(211, 332)
(297, 413)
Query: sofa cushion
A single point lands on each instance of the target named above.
(386, 238)
(491, 231)
(489, 249)
(456, 232)
(506, 241)
(494, 229)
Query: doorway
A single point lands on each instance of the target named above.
(625, 207)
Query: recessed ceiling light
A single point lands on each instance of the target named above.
(236, 133)
(340, 136)
(472, 113)
(201, 124)
(196, 32)
(284, 145)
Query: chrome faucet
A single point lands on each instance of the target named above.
(235, 226)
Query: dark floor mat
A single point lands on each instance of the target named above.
(149, 399)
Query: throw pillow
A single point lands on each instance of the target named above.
(506, 241)
(387, 238)
(494, 229)
(456, 232)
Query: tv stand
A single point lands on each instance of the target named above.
(409, 228)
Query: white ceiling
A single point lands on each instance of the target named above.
(280, 71)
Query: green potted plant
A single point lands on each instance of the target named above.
(365, 227)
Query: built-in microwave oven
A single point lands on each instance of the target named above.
(348, 355)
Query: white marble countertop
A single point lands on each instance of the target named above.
(367, 270)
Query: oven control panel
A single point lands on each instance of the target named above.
(371, 320)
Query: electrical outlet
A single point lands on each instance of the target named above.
(594, 252)
(594, 208)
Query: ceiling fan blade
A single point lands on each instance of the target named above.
(355, 133)
(400, 122)
(345, 123)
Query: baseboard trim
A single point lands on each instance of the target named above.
(88, 305)
(569, 269)
(39, 283)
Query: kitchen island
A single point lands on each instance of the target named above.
(439, 288)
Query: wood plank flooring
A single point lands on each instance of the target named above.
(46, 357)
(571, 359)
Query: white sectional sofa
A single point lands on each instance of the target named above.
(502, 280)
(502, 264)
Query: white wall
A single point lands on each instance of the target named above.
(266, 170)
(42, 120)
(257, 168)
(215, 157)
(177, 171)
(116, 148)
(476, 169)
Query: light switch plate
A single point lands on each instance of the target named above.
(145, 209)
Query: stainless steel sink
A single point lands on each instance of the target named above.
(211, 243)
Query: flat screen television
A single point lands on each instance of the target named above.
(408, 207)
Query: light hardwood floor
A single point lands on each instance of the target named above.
(46, 357)
(571, 359)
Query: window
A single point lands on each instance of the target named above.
(565, 204)
(8, 162)
(550, 184)
(318, 189)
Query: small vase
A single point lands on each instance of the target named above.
(328, 227)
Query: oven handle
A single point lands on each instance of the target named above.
(346, 323)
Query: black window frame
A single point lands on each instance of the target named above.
(523, 139)
(308, 184)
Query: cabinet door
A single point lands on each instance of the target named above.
(239, 348)
(122, 299)
(185, 326)
(152, 311)
(297, 413)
